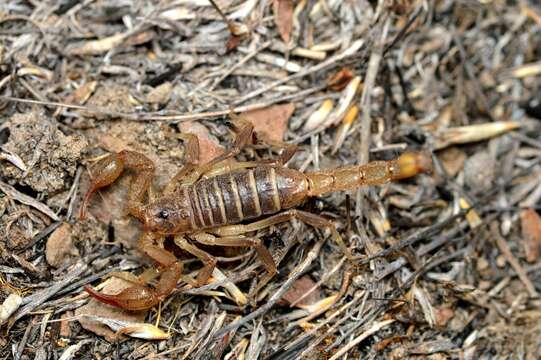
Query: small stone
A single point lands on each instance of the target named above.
(479, 172)
(500, 261)
(482, 264)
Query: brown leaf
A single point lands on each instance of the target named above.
(233, 42)
(209, 148)
(283, 17)
(339, 81)
(271, 122)
(65, 328)
(97, 308)
(452, 160)
(160, 94)
(531, 234)
(59, 245)
(299, 288)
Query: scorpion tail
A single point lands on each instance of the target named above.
(373, 173)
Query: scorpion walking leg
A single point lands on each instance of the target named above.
(244, 136)
(209, 262)
(306, 217)
(110, 168)
(191, 159)
(288, 150)
(239, 240)
(140, 296)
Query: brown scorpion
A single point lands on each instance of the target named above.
(211, 204)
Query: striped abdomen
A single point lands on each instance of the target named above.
(245, 194)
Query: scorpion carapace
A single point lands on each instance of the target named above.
(213, 203)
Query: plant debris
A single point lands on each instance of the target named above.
(443, 265)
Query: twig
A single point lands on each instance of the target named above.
(295, 274)
(27, 200)
(506, 252)
(372, 330)
(352, 50)
(38, 298)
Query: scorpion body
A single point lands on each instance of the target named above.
(213, 203)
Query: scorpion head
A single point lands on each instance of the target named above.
(167, 216)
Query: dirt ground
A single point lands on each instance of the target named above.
(446, 264)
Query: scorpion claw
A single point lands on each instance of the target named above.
(134, 298)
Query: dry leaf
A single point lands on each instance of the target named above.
(299, 288)
(209, 147)
(338, 81)
(59, 245)
(342, 131)
(9, 306)
(318, 117)
(452, 160)
(160, 94)
(96, 47)
(531, 234)
(472, 133)
(283, 17)
(270, 122)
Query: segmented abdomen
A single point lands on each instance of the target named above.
(245, 194)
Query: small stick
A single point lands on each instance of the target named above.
(295, 274)
(506, 252)
(27, 200)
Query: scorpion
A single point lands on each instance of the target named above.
(212, 203)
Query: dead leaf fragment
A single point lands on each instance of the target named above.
(452, 160)
(161, 94)
(59, 245)
(299, 289)
(96, 47)
(271, 122)
(531, 234)
(472, 133)
(65, 329)
(83, 93)
(283, 17)
(209, 147)
(318, 117)
(338, 81)
(96, 308)
(9, 306)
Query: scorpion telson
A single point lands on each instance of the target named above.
(214, 203)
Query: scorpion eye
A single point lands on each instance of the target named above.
(163, 214)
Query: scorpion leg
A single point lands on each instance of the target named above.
(288, 150)
(191, 159)
(209, 262)
(244, 137)
(306, 217)
(240, 240)
(139, 296)
(110, 168)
